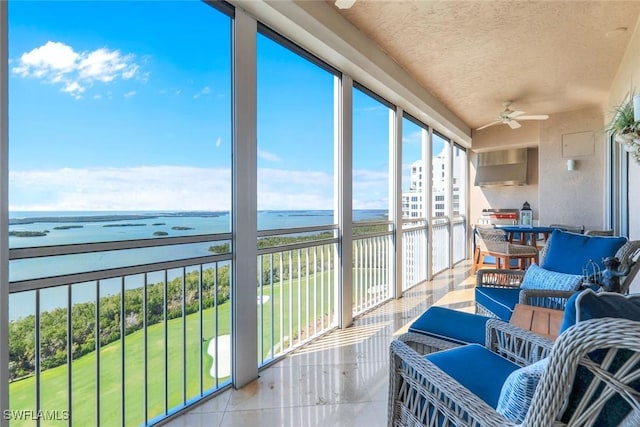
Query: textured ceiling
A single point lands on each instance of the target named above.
(546, 56)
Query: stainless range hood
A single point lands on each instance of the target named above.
(504, 167)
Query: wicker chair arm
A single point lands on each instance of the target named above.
(499, 278)
(420, 391)
(547, 298)
(425, 344)
(570, 350)
(520, 346)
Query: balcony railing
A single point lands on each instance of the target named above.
(440, 244)
(123, 333)
(414, 252)
(296, 288)
(120, 345)
(459, 239)
(371, 282)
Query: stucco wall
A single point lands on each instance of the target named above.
(555, 194)
(572, 197)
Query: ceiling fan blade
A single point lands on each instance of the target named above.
(344, 4)
(534, 117)
(515, 114)
(513, 124)
(490, 124)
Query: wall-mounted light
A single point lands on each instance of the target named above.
(636, 108)
(571, 165)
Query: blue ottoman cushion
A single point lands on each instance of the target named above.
(570, 252)
(451, 325)
(500, 301)
(476, 368)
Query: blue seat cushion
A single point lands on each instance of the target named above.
(451, 325)
(479, 370)
(588, 305)
(570, 252)
(500, 301)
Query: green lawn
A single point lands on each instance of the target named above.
(84, 404)
(54, 381)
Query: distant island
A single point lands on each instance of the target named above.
(159, 223)
(115, 217)
(181, 228)
(67, 227)
(160, 233)
(135, 224)
(28, 233)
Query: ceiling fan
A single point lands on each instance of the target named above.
(508, 117)
(344, 4)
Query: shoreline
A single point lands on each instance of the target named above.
(111, 217)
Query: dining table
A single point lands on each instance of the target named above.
(527, 234)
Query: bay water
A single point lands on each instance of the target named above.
(37, 229)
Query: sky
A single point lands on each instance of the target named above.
(121, 106)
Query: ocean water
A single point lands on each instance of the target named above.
(65, 228)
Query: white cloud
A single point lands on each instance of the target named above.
(130, 94)
(58, 63)
(180, 188)
(135, 188)
(413, 137)
(269, 157)
(218, 142)
(52, 58)
(205, 90)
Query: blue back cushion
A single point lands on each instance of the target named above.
(498, 300)
(570, 252)
(588, 305)
(451, 325)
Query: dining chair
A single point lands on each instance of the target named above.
(493, 242)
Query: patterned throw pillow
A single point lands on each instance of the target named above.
(539, 278)
(517, 391)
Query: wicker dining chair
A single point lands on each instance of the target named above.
(492, 242)
(591, 374)
(598, 233)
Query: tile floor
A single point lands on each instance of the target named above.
(338, 380)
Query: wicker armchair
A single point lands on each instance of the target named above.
(628, 254)
(421, 394)
(493, 242)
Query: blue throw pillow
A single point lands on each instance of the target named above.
(570, 252)
(539, 278)
(517, 391)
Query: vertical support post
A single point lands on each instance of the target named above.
(395, 200)
(427, 195)
(244, 212)
(4, 208)
(449, 192)
(343, 208)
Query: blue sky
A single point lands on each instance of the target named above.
(121, 106)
